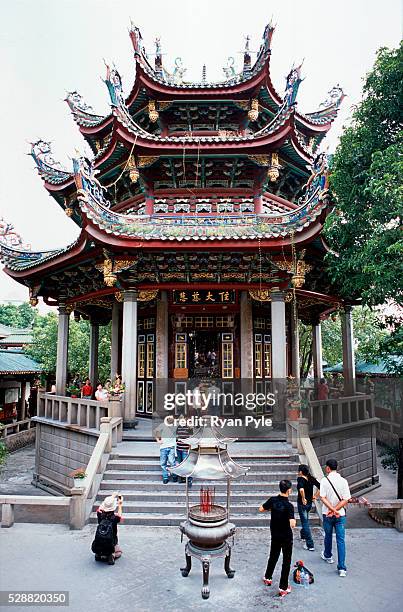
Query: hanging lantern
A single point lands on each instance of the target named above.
(133, 171)
(253, 112)
(152, 113)
(298, 278)
(273, 171)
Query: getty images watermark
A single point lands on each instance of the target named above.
(213, 402)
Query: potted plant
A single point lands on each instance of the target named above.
(115, 391)
(293, 399)
(79, 476)
(73, 391)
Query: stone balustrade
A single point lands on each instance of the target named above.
(76, 503)
(338, 412)
(85, 413)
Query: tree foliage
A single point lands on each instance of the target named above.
(369, 334)
(44, 347)
(365, 230)
(21, 315)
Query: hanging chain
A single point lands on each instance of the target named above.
(124, 169)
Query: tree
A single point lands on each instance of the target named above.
(366, 182)
(369, 334)
(22, 315)
(44, 346)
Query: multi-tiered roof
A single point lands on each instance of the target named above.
(183, 163)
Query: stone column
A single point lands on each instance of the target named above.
(115, 340)
(246, 324)
(317, 351)
(161, 330)
(93, 357)
(129, 355)
(62, 349)
(295, 363)
(278, 335)
(348, 351)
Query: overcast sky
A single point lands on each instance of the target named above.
(48, 47)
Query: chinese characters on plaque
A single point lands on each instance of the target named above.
(204, 296)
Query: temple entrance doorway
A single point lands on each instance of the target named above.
(204, 346)
(204, 354)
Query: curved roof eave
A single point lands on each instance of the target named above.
(21, 264)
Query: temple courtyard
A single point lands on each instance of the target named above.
(147, 577)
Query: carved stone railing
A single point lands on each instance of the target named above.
(85, 413)
(17, 427)
(338, 412)
(80, 500)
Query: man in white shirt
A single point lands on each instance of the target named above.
(334, 493)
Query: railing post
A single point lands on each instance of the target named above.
(77, 509)
(7, 515)
(399, 519)
(303, 432)
(105, 427)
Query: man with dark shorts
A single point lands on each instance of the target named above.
(281, 525)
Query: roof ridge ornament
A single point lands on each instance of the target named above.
(293, 82)
(229, 69)
(114, 84)
(82, 112)
(158, 58)
(50, 170)
(86, 181)
(204, 74)
(9, 237)
(268, 35)
(247, 58)
(317, 184)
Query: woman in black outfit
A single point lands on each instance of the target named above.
(305, 484)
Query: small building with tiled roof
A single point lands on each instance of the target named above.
(15, 337)
(17, 373)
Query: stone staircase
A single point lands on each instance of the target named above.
(147, 501)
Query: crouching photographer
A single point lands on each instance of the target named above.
(105, 545)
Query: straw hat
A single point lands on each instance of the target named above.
(109, 504)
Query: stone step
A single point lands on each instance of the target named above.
(173, 507)
(155, 466)
(165, 492)
(127, 485)
(238, 457)
(240, 520)
(152, 475)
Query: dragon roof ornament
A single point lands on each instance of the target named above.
(9, 237)
(83, 113)
(176, 78)
(329, 107)
(19, 256)
(50, 170)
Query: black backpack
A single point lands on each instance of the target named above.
(104, 541)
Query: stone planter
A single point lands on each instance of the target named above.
(79, 482)
(114, 407)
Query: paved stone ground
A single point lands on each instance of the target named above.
(147, 577)
(16, 473)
